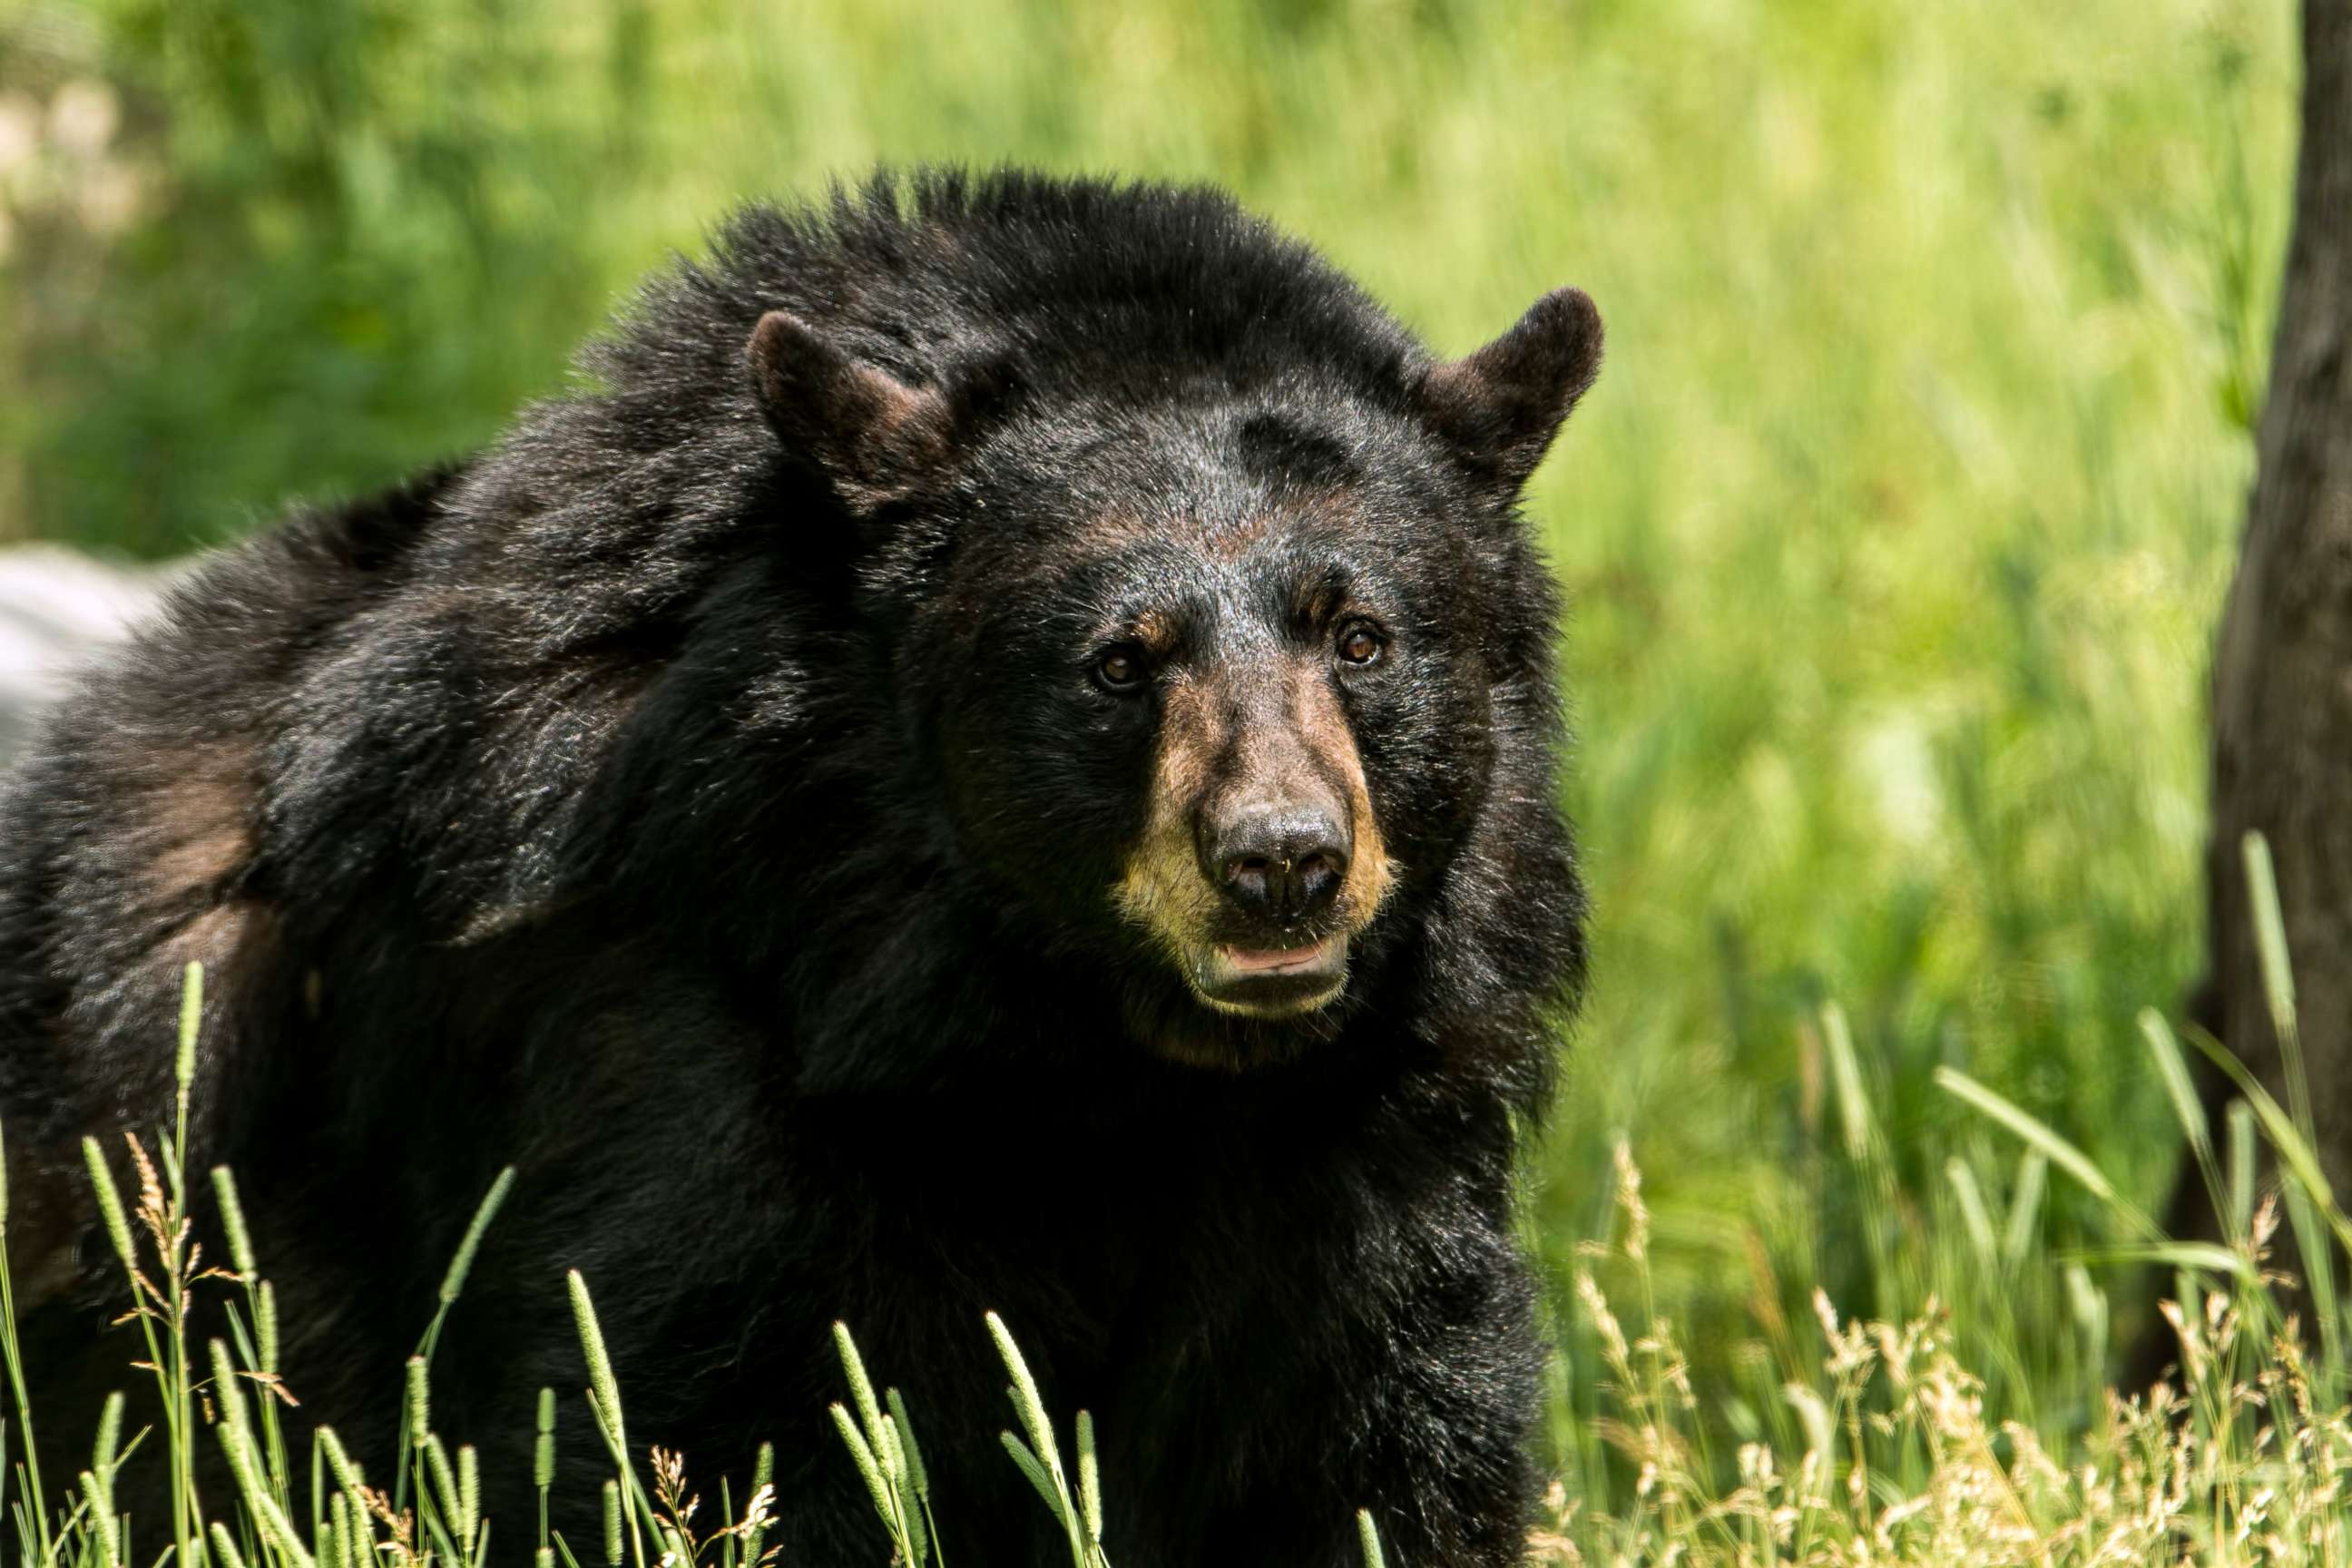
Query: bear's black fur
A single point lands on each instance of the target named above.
(792, 798)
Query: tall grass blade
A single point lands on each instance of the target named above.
(36, 1540)
(2204, 1256)
(1031, 1408)
(348, 1476)
(1089, 1479)
(2060, 1152)
(2089, 1305)
(2172, 1070)
(606, 1387)
(265, 1326)
(191, 1017)
(419, 1401)
(469, 1496)
(2025, 1206)
(105, 1451)
(542, 1453)
(231, 1214)
(2270, 931)
(228, 1393)
(2278, 978)
(102, 1523)
(1025, 1401)
(916, 1474)
(861, 1387)
(1853, 1105)
(763, 1479)
(1975, 1222)
(267, 1517)
(1030, 1466)
(462, 1263)
(869, 1469)
(911, 1511)
(2318, 1273)
(2240, 1120)
(2302, 1164)
(109, 1207)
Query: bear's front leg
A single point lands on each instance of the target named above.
(1434, 1442)
(1392, 1368)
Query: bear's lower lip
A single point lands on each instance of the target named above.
(1273, 959)
(1270, 982)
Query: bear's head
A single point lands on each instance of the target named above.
(1216, 655)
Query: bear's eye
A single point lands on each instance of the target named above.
(1119, 669)
(1362, 645)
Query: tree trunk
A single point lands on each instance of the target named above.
(2283, 665)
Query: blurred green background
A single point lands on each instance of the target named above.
(1895, 528)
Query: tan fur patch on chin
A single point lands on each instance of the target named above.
(1167, 897)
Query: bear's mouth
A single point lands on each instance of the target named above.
(1272, 982)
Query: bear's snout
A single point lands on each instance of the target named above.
(1276, 861)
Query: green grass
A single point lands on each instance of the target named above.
(1895, 528)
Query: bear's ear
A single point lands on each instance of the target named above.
(1501, 407)
(872, 435)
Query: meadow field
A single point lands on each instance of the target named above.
(1896, 531)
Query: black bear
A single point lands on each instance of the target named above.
(1000, 751)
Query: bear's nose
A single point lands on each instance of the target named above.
(1279, 863)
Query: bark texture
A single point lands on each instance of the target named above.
(2281, 694)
